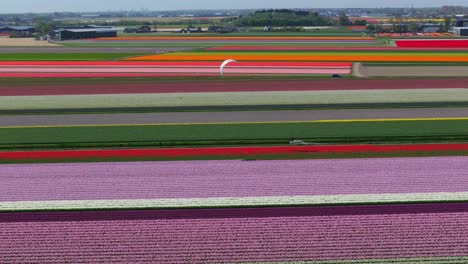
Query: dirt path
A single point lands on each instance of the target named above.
(24, 42)
(416, 71)
(63, 49)
(215, 117)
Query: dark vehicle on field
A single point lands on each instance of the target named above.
(142, 29)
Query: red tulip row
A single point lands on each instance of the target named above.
(432, 43)
(229, 151)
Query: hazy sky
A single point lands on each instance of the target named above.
(21, 6)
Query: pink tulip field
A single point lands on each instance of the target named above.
(315, 211)
(386, 233)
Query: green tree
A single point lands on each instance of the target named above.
(282, 18)
(358, 22)
(44, 27)
(371, 28)
(344, 19)
(413, 27)
(394, 24)
(447, 24)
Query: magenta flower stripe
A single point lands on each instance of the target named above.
(237, 235)
(213, 179)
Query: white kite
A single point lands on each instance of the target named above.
(224, 64)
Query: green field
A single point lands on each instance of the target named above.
(207, 44)
(232, 134)
(64, 56)
(256, 32)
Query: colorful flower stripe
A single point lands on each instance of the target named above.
(92, 75)
(432, 43)
(356, 28)
(169, 64)
(428, 231)
(228, 151)
(305, 48)
(250, 38)
(161, 69)
(318, 57)
(5, 71)
(234, 86)
(439, 260)
(232, 179)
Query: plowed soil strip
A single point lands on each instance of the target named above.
(230, 116)
(237, 235)
(232, 86)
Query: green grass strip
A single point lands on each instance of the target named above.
(234, 134)
(206, 44)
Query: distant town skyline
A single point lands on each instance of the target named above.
(28, 6)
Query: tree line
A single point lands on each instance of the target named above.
(283, 18)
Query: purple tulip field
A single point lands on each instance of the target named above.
(380, 210)
(231, 178)
(385, 232)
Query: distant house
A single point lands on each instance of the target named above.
(18, 31)
(461, 28)
(82, 33)
(461, 20)
(429, 28)
(460, 31)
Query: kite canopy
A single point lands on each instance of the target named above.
(224, 64)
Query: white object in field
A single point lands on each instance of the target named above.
(224, 64)
(300, 142)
